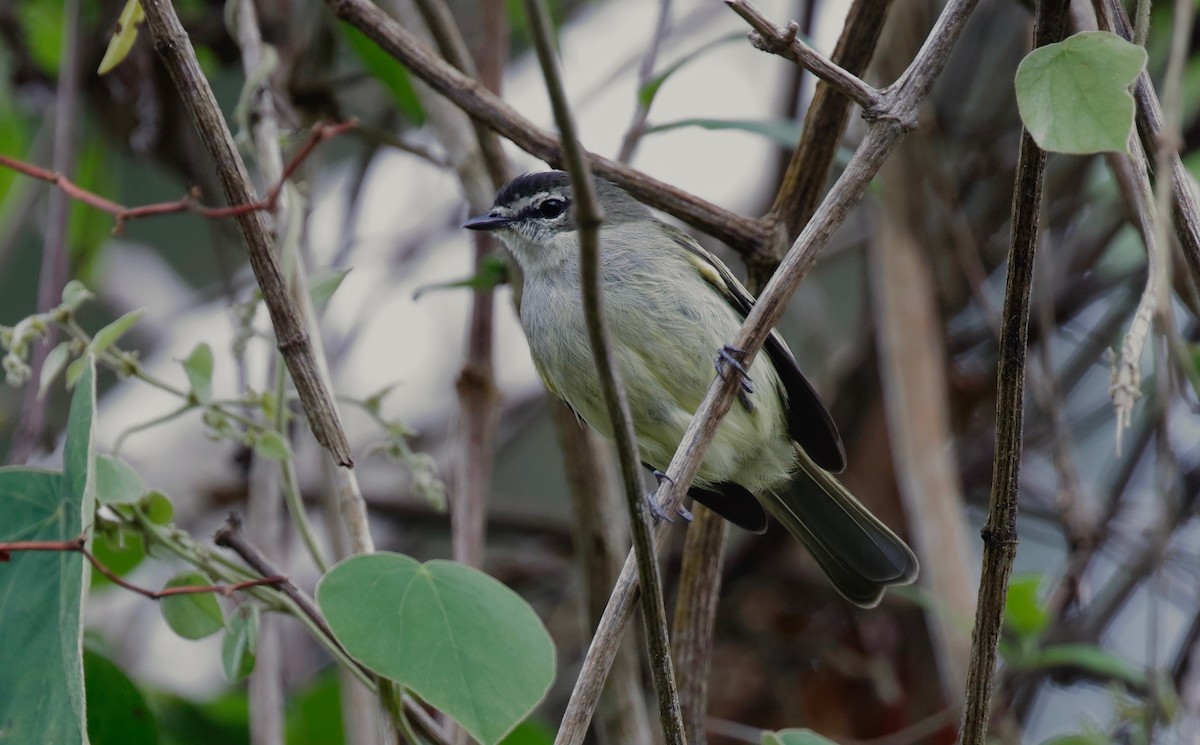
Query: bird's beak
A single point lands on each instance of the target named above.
(487, 222)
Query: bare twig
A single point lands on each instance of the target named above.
(782, 41)
(637, 127)
(122, 214)
(588, 216)
(1000, 531)
(480, 104)
(893, 117)
(78, 545)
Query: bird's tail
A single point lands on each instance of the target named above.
(860, 554)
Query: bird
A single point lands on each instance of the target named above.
(671, 308)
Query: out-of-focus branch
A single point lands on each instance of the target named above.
(895, 115)
(588, 216)
(1000, 531)
(56, 261)
(637, 127)
(479, 103)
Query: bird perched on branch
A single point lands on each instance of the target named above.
(671, 308)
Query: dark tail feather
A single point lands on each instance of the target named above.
(861, 555)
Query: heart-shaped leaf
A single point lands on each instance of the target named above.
(456, 637)
(1074, 95)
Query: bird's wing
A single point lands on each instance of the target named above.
(809, 423)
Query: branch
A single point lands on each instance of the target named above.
(588, 216)
(479, 103)
(121, 214)
(1000, 531)
(637, 127)
(782, 41)
(77, 545)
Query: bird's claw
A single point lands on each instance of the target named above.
(657, 512)
(728, 357)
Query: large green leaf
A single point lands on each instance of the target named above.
(42, 592)
(117, 712)
(457, 638)
(1074, 95)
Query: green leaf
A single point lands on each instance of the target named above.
(109, 335)
(785, 134)
(157, 507)
(795, 737)
(194, 615)
(123, 37)
(54, 364)
(41, 616)
(1074, 95)
(323, 284)
(1092, 738)
(117, 713)
(75, 370)
(199, 369)
(272, 446)
(120, 551)
(390, 73)
(530, 732)
(1090, 658)
(648, 91)
(1024, 614)
(314, 714)
(75, 294)
(116, 481)
(240, 643)
(493, 272)
(456, 637)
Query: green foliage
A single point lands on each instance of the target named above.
(648, 91)
(323, 283)
(530, 732)
(240, 644)
(785, 134)
(1090, 738)
(390, 73)
(272, 446)
(193, 615)
(41, 618)
(117, 713)
(119, 550)
(493, 272)
(110, 334)
(794, 737)
(1074, 95)
(1024, 614)
(1087, 657)
(314, 714)
(116, 481)
(156, 507)
(457, 638)
(199, 369)
(123, 37)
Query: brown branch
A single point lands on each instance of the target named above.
(78, 545)
(121, 214)
(479, 103)
(782, 41)
(1000, 531)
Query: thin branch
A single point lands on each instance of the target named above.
(895, 115)
(1000, 531)
(637, 127)
(588, 216)
(56, 254)
(78, 545)
(782, 41)
(122, 214)
(479, 103)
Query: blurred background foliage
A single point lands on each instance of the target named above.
(1104, 622)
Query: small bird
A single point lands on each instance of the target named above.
(672, 307)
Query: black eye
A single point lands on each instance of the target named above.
(551, 208)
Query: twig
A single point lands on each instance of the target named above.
(480, 104)
(782, 41)
(122, 214)
(1000, 531)
(894, 116)
(588, 216)
(808, 170)
(637, 127)
(56, 256)
(78, 545)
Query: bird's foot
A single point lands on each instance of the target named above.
(730, 357)
(657, 512)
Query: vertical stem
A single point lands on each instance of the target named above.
(1000, 531)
